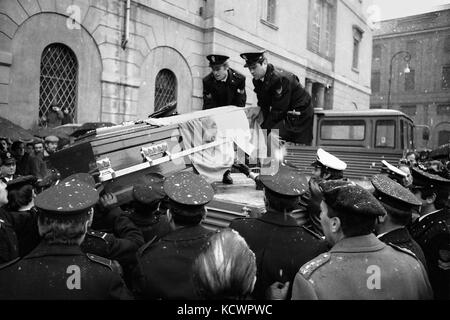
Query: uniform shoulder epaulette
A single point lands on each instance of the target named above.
(237, 74)
(308, 268)
(315, 234)
(9, 263)
(142, 249)
(103, 261)
(99, 234)
(402, 249)
(4, 223)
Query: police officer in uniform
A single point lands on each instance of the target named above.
(281, 246)
(7, 167)
(325, 167)
(395, 174)
(112, 235)
(399, 203)
(432, 229)
(57, 268)
(359, 265)
(285, 105)
(148, 214)
(165, 267)
(223, 86)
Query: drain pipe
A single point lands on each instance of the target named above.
(127, 24)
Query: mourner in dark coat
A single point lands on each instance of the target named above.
(285, 104)
(359, 265)
(281, 246)
(21, 213)
(223, 86)
(432, 229)
(165, 267)
(9, 246)
(57, 268)
(399, 203)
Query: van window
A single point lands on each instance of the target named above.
(343, 130)
(410, 137)
(385, 134)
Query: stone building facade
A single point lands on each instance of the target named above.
(424, 92)
(121, 60)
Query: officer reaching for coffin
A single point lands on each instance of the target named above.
(285, 104)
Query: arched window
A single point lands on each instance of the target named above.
(59, 79)
(165, 88)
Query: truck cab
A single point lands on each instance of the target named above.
(360, 138)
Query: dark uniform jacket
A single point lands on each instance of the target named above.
(121, 243)
(224, 93)
(432, 233)
(165, 267)
(9, 245)
(402, 238)
(61, 272)
(151, 225)
(25, 226)
(280, 245)
(363, 268)
(279, 93)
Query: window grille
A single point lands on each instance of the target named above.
(58, 79)
(165, 88)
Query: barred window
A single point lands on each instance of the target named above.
(271, 10)
(165, 88)
(58, 79)
(322, 17)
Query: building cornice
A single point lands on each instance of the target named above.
(408, 33)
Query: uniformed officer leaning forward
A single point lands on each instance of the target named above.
(165, 266)
(281, 246)
(223, 86)
(57, 268)
(285, 105)
(359, 265)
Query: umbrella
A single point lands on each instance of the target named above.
(13, 131)
(61, 131)
(90, 126)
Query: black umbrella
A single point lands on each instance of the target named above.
(13, 131)
(90, 126)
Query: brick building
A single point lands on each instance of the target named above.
(424, 92)
(121, 60)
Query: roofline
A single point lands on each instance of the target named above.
(415, 15)
(368, 112)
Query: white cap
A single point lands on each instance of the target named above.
(393, 169)
(330, 161)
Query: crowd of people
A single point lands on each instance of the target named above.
(320, 238)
